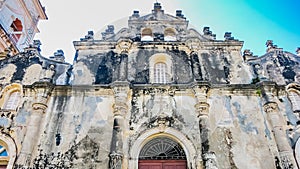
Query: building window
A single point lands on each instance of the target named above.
(162, 148)
(12, 101)
(4, 158)
(295, 100)
(160, 68)
(160, 73)
(147, 35)
(16, 28)
(169, 35)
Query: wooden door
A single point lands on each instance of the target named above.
(153, 165)
(174, 165)
(162, 164)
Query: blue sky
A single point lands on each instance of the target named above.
(251, 21)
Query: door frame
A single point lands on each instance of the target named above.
(182, 139)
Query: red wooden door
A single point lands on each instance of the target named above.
(147, 165)
(162, 164)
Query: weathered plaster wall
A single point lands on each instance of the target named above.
(240, 134)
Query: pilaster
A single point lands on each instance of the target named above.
(202, 110)
(42, 92)
(278, 126)
(118, 157)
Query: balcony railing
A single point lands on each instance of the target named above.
(15, 36)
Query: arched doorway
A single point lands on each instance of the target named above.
(8, 151)
(162, 153)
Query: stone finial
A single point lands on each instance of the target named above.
(228, 36)
(108, 32)
(37, 44)
(89, 36)
(298, 51)
(58, 56)
(269, 44)
(208, 32)
(157, 6)
(179, 14)
(59, 53)
(136, 14)
(247, 54)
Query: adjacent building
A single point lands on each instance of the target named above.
(154, 95)
(18, 24)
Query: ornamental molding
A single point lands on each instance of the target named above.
(270, 107)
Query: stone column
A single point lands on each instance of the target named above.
(31, 139)
(202, 110)
(277, 123)
(285, 152)
(118, 157)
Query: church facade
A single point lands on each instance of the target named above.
(154, 95)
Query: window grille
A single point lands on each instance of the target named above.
(13, 101)
(162, 148)
(160, 73)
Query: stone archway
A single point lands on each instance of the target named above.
(170, 133)
(162, 152)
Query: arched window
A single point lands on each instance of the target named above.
(295, 100)
(160, 73)
(8, 151)
(16, 28)
(4, 158)
(13, 101)
(160, 68)
(162, 148)
(147, 35)
(162, 153)
(169, 34)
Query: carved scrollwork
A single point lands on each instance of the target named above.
(115, 161)
(124, 45)
(270, 107)
(193, 44)
(210, 159)
(120, 108)
(39, 106)
(202, 108)
(162, 122)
